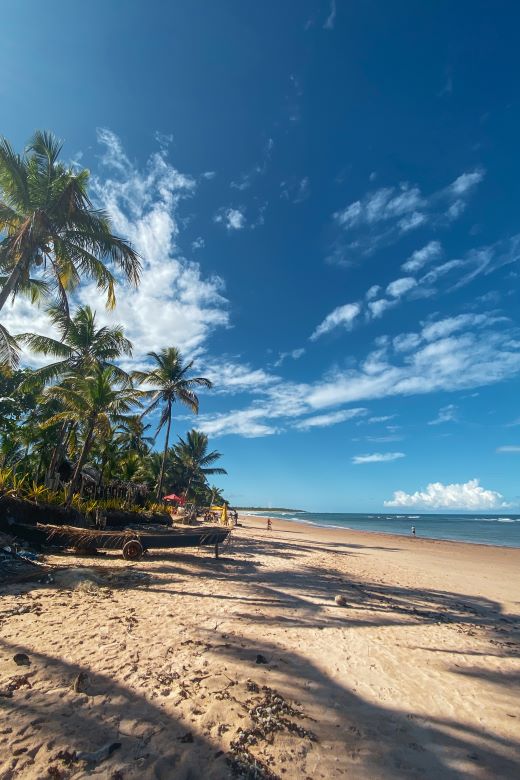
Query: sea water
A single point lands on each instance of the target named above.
(503, 529)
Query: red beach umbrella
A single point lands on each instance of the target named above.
(175, 497)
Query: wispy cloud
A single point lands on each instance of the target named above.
(509, 448)
(468, 495)
(446, 277)
(480, 356)
(400, 286)
(245, 180)
(343, 316)
(245, 422)
(421, 257)
(446, 414)
(330, 21)
(294, 354)
(467, 360)
(231, 376)
(231, 218)
(296, 191)
(382, 216)
(332, 418)
(377, 457)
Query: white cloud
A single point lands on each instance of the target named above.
(377, 308)
(331, 18)
(231, 218)
(405, 342)
(456, 209)
(384, 439)
(377, 457)
(421, 257)
(384, 204)
(382, 216)
(230, 377)
(342, 315)
(294, 354)
(325, 420)
(467, 181)
(174, 299)
(245, 422)
(412, 221)
(446, 414)
(400, 286)
(509, 448)
(449, 325)
(468, 360)
(372, 292)
(469, 495)
(382, 418)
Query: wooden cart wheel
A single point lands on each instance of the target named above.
(132, 550)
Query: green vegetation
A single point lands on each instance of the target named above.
(48, 226)
(73, 431)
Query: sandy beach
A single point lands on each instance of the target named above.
(183, 666)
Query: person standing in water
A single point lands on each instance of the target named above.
(413, 530)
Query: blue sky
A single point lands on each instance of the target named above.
(325, 195)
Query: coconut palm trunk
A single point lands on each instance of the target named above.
(57, 451)
(82, 458)
(165, 452)
(11, 284)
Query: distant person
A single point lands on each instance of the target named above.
(413, 530)
(269, 524)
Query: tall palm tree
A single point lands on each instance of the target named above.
(195, 460)
(172, 382)
(93, 402)
(48, 223)
(82, 346)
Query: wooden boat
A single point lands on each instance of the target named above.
(133, 541)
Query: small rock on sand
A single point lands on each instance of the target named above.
(341, 601)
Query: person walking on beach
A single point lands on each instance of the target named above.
(413, 530)
(269, 524)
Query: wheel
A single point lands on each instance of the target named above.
(132, 550)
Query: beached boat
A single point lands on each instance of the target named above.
(133, 541)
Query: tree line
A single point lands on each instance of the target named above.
(82, 408)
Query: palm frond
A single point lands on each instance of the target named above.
(9, 349)
(46, 345)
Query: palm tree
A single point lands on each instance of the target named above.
(48, 223)
(195, 460)
(82, 346)
(130, 435)
(172, 383)
(94, 402)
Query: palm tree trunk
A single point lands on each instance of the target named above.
(167, 439)
(82, 458)
(10, 286)
(56, 452)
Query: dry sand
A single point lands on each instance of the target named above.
(417, 677)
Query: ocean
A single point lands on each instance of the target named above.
(502, 530)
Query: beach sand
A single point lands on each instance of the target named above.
(157, 661)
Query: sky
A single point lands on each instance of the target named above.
(325, 195)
